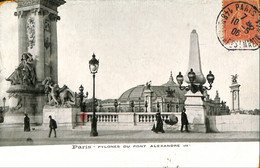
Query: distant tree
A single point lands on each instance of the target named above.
(256, 112)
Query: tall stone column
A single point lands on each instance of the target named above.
(22, 38)
(235, 96)
(148, 93)
(54, 48)
(38, 37)
(39, 45)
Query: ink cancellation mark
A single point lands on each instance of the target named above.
(237, 26)
(3, 1)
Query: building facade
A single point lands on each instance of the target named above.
(165, 98)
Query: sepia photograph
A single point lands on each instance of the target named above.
(129, 83)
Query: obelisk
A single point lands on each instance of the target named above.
(195, 110)
(194, 59)
(38, 59)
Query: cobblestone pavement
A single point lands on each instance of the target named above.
(12, 136)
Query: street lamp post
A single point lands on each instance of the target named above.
(132, 105)
(195, 87)
(145, 105)
(100, 107)
(158, 107)
(4, 100)
(116, 104)
(168, 107)
(171, 106)
(93, 67)
(139, 104)
(81, 96)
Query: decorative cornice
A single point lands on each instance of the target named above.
(21, 14)
(52, 4)
(54, 17)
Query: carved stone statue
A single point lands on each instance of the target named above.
(234, 78)
(19, 101)
(170, 92)
(47, 82)
(24, 74)
(148, 85)
(56, 95)
(31, 32)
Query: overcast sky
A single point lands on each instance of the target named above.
(136, 41)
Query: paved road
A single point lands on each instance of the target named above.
(11, 136)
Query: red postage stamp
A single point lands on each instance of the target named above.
(237, 25)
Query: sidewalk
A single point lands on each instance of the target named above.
(12, 136)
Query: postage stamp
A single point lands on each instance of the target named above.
(237, 25)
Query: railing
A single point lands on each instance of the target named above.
(126, 117)
(150, 117)
(103, 117)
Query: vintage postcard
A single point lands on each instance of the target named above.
(120, 83)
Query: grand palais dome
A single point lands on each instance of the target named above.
(137, 92)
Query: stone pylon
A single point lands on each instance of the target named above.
(235, 95)
(148, 94)
(37, 54)
(195, 109)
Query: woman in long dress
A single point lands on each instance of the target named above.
(26, 123)
(158, 125)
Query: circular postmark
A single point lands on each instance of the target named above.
(237, 26)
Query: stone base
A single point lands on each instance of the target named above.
(199, 128)
(234, 112)
(24, 99)
(18, 119)
(63, 116)
(195, 111)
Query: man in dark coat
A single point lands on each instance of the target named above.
(158, 126)
(26, 123)
(184, 120)
(53, 126)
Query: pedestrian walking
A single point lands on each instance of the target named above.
(184, 120)
(53, 126)
(158, 125)
(26, 123)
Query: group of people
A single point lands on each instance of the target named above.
(158, 125)
(52, 125)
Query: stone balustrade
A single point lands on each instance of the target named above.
(104, 117)
(129, 118)
(150, 117)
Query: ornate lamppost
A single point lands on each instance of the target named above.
(93, 67)
(81, 96)
(139, 99)
(158, 107)
(145, 105)
(100, 107)
(195, 87)
(116, 104)
(4, 100)
(132, 104)
(168, 107)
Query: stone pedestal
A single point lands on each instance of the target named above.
(24, 99)
(63, 116)
(148, 95)
(195, 111)
(235, 98)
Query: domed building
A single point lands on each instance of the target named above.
(146, 98)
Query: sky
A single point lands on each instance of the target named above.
(136, 41)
